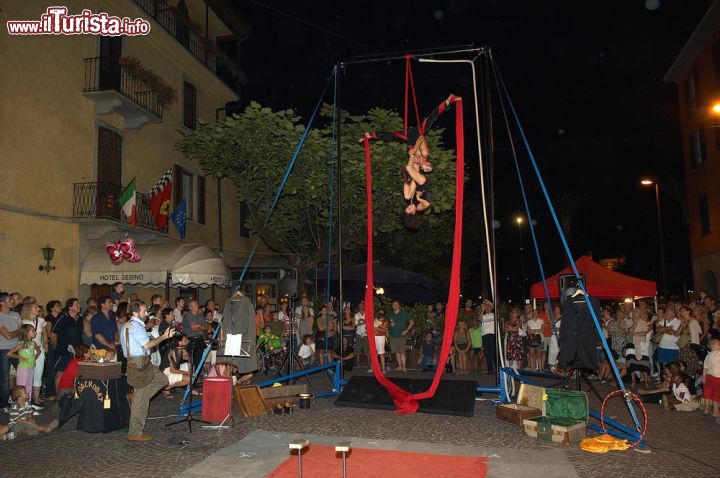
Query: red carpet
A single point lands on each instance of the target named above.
(322, 462)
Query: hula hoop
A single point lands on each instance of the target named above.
(633, 397)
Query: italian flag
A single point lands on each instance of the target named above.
(128, 202)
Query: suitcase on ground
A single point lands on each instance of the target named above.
(564, 417)
(529, 405)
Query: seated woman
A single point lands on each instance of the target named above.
(636, 363)
(178, 369)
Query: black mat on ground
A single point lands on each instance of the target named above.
(453, 397)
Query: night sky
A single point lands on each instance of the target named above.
(586, 77)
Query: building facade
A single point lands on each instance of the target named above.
(82, 115)
(696, 71)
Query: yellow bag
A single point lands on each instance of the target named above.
(603, 444)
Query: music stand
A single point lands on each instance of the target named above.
(189, 418)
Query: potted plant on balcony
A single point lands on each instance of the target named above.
(166, 95)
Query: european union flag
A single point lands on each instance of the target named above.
(179, 217)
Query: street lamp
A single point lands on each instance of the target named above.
(715, 108)
(519, 221)
(650, 182)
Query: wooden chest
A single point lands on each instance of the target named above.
(100, 371)
(564, 417)
(529, 405)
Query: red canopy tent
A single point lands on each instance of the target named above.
(599, 282)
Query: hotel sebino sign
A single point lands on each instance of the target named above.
(156, 278)
(132, 278)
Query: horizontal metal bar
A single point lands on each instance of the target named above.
(302, 373)
(488, 390)
(616, 424)
(327, 394)
(419, 54)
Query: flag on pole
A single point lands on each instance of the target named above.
(159, 199)
(179, 218)
(128, 202)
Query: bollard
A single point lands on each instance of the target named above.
(344, 447)
(298, 445)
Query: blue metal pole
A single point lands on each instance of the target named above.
(566, 247)
(615, 424)
(302, 373)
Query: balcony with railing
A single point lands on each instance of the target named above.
(182, 30)
(100, 201)
(179, 26)
(115, 90)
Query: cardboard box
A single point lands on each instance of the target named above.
(529, 405)
(564, 417)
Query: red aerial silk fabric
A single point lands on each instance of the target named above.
(404, 400)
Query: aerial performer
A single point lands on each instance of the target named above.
(416, 190)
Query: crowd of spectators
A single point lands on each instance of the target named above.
(672, 351)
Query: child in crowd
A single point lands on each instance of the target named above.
(307, 351)
(26, 351)
(680, 398)
(711, 377)
(21, 414)
(428, 352)
(269, 341)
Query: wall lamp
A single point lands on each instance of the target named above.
(48, 253)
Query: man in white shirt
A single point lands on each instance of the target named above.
(305, 302)
(670, 328)
(361, 340)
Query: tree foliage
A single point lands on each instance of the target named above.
(254, 148)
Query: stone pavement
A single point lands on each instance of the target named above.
(71, 452)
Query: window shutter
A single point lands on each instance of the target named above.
(189, 105)
(201, 200)
(109, 157)
(178, 185)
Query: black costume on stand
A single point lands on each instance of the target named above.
(578, 333)
(239, 318)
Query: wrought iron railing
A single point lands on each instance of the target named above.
(165, 15)
(100, 200)
(106, 73)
